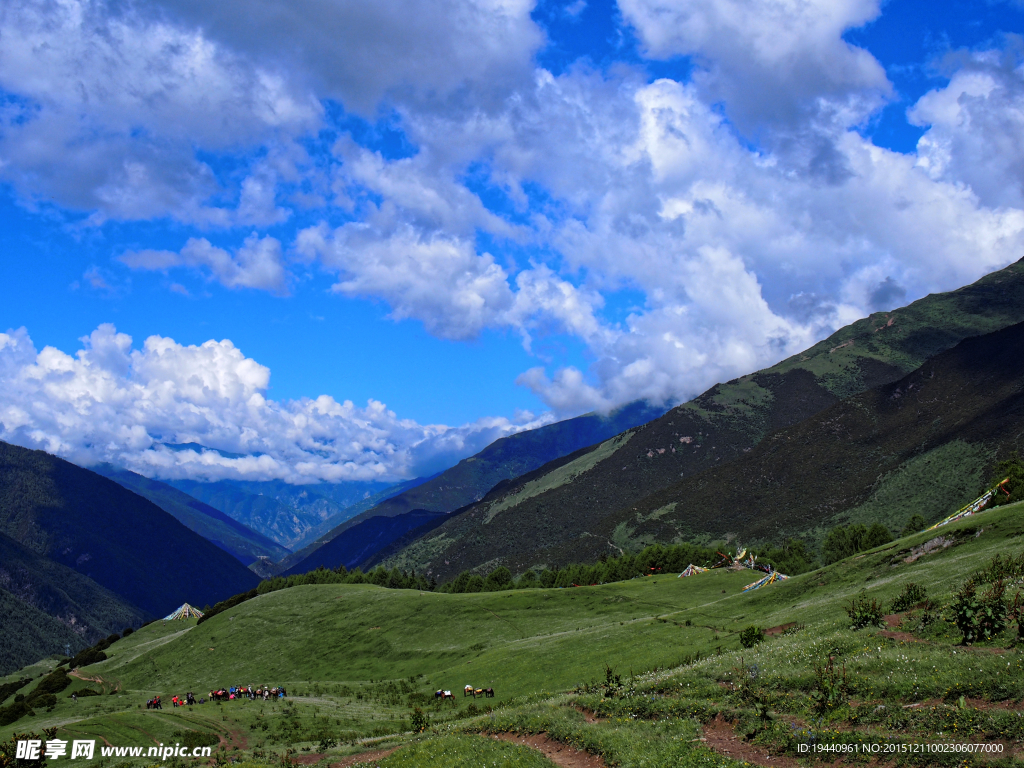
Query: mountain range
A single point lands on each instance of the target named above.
(428, 503)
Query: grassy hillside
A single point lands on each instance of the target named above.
(105, 532)
(357, 660)
(578, 511)
(367, 537)
(213, 525)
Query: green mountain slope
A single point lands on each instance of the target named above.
(213, 525)
(527, 640)
(364, 537)
(557, 513)
(109, 534)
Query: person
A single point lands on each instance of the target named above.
(74, 697)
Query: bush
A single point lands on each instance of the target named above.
(911, 595)
(13, 712)
(979, 617)
(87, 657)
(914, 525)
(55, 682)
(420, 722)
(751, 636)
(193, 739)
(864, 613)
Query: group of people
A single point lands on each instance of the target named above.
(223, 694)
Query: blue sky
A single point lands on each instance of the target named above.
(365, 240)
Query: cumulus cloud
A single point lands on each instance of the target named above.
(771, 61)
(256, 264)
(360, 53)
(660, 195)
(110, 402)
(105, 110)
(975, 124)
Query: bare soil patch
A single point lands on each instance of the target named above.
(720, 737)
(779, 629)
(555, 751)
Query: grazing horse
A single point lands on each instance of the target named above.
(448, 695)
(438, 695)
(478, 692)
(489, 693)
(468, 691)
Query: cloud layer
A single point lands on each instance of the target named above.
(137, 407)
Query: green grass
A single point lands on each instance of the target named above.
(356, 660)
(465, 751)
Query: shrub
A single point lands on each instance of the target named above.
(830, 687)
(911, 595)
(420, 722)
(13, 712)
(979, 617)
(751, 636)
(864, 613)
(55, 682)
(914, 525)
(193, 739)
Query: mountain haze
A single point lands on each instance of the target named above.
(213, 525)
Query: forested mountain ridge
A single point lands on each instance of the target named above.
(375, 531)
(120, 540)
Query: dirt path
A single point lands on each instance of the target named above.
(720, 737)
(558, 753)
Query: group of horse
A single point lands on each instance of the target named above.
(247, 692)
(469, 690)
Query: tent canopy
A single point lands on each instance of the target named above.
(185, 611)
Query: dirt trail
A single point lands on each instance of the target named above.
(720, 737)
(555, 751)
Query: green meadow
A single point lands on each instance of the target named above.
(654, 659)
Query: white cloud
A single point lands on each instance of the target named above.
(257, 263)
(110, 402)
(975, 125)
(359, 53)
(108, 109)
(770, 61)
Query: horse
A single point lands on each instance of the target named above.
(468, 691)
(478, 692)
(489, 693)
(448, 695)
(438, 695)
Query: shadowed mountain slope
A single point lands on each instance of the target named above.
(213, 525)
(428, 503)
(118, 539)
(560, 513)
(47, 606)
